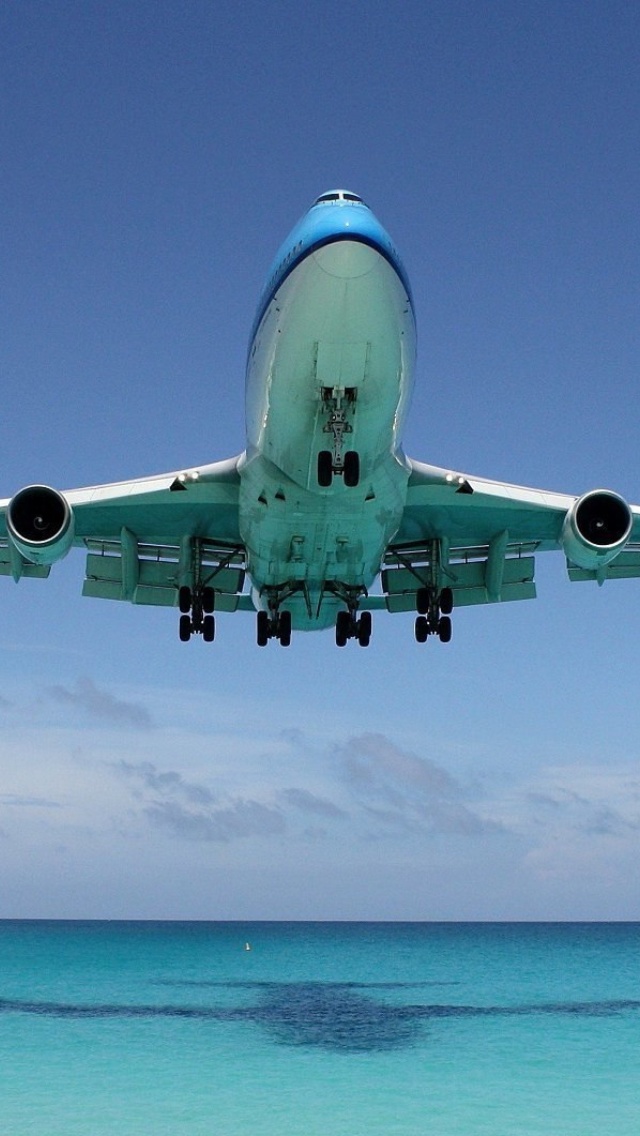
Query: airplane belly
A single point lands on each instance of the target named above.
(341, 321)
(308, 549)
(339, 332)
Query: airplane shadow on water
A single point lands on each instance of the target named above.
(337, 1016)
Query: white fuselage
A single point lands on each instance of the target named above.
(340, 321)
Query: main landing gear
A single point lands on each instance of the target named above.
(276, 626)
(349, 627)
(197, 613)
(434, 613)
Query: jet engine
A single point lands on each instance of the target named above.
(596, 529)
(40, 524)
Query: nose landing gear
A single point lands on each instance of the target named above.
(339, 403)
(347, 466)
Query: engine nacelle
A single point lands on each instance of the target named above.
(40, 524)
(596, 529)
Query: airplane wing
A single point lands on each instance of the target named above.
(145, 539)
(479, 538)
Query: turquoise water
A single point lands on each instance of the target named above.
(341, 1029)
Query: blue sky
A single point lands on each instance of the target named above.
(154, 157)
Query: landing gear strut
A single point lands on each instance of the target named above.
(434, 612)
(196, 607)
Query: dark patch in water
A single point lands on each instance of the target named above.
(251, 984)
(326, 1015)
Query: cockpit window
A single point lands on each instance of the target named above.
(338, 195)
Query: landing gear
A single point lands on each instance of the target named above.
(277, 626)
(348, 467)
(433, 614)
(348, 627)
(339, 404)
(196, 607)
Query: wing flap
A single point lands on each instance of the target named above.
(153, 574)
(13, 564)
(626, 566)
(471, 582)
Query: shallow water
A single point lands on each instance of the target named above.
(394, 1029)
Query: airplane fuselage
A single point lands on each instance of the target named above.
(329, 374)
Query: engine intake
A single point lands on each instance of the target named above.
(40, 524)
(596, 529)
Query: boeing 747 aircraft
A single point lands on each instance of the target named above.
(323, 503)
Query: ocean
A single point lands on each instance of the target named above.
(319, 1029)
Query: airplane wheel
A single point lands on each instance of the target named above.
(343, 628)
(185, 628)
(208, 600)
(209, 628)
(263, 628)
(421, 629)
(364, 629)
(325, 468)
(284, 628)
(422, 601)
(446, 601)
(351, 470)
(444, 629)
(184, 599)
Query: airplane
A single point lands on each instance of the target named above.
(322, 520)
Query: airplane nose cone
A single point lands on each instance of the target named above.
(346, 259)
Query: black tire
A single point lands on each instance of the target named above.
(446, 601)
(208, 600)
(209, 628)
(351, 469)
(364, 629)
(263, 628)
(422, 601)
(185, 628)
(325, 468)
(343, 628)
(421, 629)
(444, 629)
(184, 599)
(284, 628)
